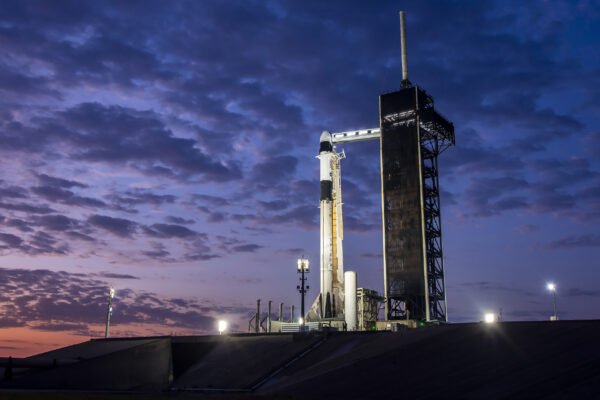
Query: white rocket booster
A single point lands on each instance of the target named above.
(325, 156)
(330, 303)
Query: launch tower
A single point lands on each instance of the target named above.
(412, 135)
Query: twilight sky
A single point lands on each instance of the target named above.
(168, 149)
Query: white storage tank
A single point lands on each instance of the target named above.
(350, 300)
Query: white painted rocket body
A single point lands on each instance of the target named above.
(329, 304)
(325, 157)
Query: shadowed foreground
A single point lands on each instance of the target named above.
(551, 360)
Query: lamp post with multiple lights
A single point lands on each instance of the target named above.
(302, 287)
(111, 295)
(551, 286)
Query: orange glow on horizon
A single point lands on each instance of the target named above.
(25, 342)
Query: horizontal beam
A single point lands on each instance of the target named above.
(356, 136)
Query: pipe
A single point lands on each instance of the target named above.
(257, 325)
(269, 318)
(403, 47)
(292, 313)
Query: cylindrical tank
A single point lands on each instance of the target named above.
(350, 300)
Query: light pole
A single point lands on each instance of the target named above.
(552, 288)
(302, 288)
(111, 295)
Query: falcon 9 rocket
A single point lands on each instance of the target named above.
(329, 304)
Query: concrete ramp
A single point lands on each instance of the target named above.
(342, 350)
(241, 362)
(92, 348)
(549, 360)
(131, 364)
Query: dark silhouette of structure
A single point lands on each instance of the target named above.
(413, 134)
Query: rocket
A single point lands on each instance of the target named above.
(325, 157)
(329, 304)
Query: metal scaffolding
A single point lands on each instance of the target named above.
(437, 134)
(368, 305)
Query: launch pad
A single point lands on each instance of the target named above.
(412, 134)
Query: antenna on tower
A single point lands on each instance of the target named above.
(405, 81)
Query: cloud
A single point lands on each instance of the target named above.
(117, 226)
(27, 208)
(304, 216)
(199, 250)
(35, 244)
(273, 205)
(492, 196)
(10, 239)
(210, 200)
(137, 197)
(247, 248)
(235, 245)
(53, 181)
(20, 224)
(578, 292)
(179, 220)
(66, 197)
(575, 241)
(43, 243)
(56, 222)
(61, 301)
(14, 83)
(97, 134)
(527, 228)
(271, 171)
(94, 132)
(213, 215)
(113, 275)
(15, 192)
(170, 231)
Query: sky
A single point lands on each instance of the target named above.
(168, 149)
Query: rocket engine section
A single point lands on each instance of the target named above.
(330, 303)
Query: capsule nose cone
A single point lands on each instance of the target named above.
(326, 143)
(325, 137)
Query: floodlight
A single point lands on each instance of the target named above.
(301, 320)
(222, 326)
(551, 286)
(489, 318)
(303, 264)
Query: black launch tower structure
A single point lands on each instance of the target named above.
(413, 134)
